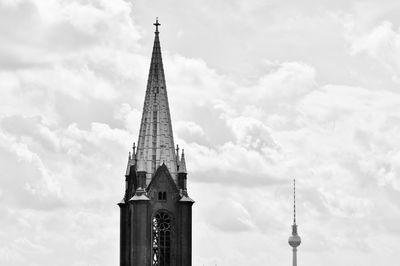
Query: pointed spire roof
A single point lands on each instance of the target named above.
(131, 160)
(182, 163)
(177, 155)
(156, 141)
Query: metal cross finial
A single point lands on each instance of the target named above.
(294, 201)
(156, 24)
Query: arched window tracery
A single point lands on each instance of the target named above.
(161, 225)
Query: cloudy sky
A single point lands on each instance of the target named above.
(260, 92)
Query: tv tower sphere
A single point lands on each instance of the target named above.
(294, 241)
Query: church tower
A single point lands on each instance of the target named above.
(156, 211)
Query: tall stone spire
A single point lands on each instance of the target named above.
(156, 141)
(156, 212)
(294, 239)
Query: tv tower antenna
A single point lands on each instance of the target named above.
(294, 239)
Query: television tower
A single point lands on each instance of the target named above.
(294, 239)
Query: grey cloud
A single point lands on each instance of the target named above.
(31, 127)
(17, 176)
(229, 216)
(252, 178)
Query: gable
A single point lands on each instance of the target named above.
(162, 182)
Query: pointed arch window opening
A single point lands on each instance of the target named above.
(161, 225)
(162, 196)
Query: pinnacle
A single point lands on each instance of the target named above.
(182, 163)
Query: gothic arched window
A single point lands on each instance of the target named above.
(161, 239)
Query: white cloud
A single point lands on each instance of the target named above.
(382, 43)
(285, 82)
(232, 218)
(251, 133)
(73, 75)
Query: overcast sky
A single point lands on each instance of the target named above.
(260, 92)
